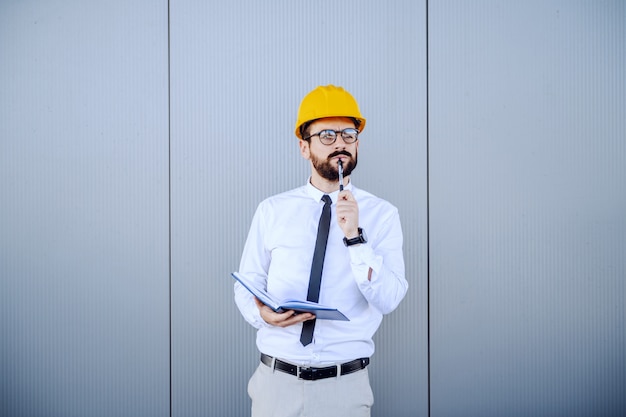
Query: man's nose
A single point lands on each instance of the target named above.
(340, 143)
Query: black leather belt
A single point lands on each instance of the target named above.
(312, 374)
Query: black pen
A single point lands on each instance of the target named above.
(340, 170)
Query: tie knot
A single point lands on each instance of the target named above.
(326, 199)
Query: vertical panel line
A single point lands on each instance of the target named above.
(169, 198)
(427, 208)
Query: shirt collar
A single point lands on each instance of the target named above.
(316, 194)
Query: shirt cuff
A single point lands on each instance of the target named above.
(362, 258)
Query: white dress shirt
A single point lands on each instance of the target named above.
(278, 255)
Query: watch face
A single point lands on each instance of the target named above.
(361, 238)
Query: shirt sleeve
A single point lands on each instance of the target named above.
(387, 285)
(254, 265)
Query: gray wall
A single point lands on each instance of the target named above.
(84, 282)
(136, 140)
(527, 185)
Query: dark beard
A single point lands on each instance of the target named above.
(329, 171)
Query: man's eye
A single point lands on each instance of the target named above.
(327, 134)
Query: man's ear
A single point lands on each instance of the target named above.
(305, 151)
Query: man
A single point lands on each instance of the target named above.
(315, 367)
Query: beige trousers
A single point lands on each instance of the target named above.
(277, 394)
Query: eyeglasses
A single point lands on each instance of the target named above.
(329, 136)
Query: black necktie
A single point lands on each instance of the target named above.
(317, 265)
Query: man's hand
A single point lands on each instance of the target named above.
(348, 214)
(285, 319)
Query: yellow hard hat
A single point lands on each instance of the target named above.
(328, 101)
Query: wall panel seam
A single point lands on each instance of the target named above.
(427, 211)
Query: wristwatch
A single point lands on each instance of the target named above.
(361, 238)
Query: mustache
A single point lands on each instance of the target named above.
(334, 154)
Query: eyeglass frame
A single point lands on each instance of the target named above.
(336, 135)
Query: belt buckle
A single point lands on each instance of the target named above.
(306, 373)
